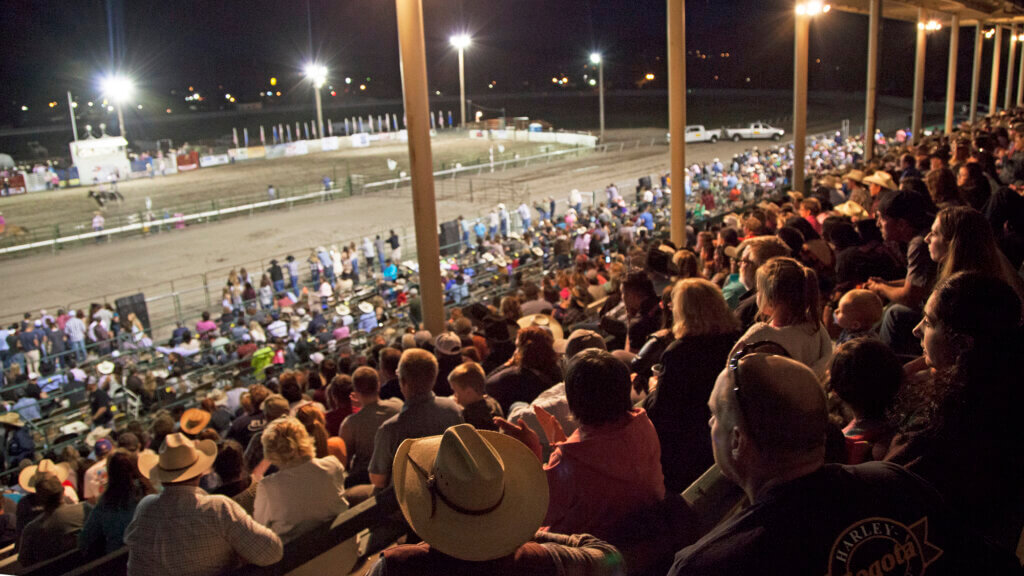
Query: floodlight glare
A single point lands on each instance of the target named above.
(317, 73)
(812, 8)
(117, 88)
(460, 41)
(595, 58)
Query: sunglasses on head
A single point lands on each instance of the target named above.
(766, 347)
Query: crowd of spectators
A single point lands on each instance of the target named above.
(852, 349)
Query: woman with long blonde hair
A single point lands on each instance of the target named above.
(705, 330)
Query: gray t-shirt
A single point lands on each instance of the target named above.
(360, 429)
(421, 416)
(921, 269)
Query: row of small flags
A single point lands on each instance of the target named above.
(282, 133)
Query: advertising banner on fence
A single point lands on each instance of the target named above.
(360, 140)
(14, 184)
(214, 160)
(276, 151)
(329, 143)
(188, 161)
(239, 153)
(299, 148)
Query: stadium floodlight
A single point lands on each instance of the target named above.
(595, 58)
(119, 89)
(461, 42)
(317, 74)
(812, 8)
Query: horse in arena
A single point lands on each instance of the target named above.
(103, 196)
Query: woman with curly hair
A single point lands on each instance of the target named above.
(959, 428)
(305, 491)
(532, 369)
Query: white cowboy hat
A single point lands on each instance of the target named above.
(342, 310)
(106, 367)
(29, 475)
(180, 459)
(98, 433)
(542, 320)
(537, 251)
(488, 257)
(365, 307)
(473, 495)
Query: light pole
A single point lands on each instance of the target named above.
(804, 12)
(461, 42)
(119, 89)
(595, 58)
(317, 74)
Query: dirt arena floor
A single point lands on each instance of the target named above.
(244, 182)
(177, 261)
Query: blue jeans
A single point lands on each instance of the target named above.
(278, 285)
(295, 284)
(526, 223)
(78, 347)
(897, 329)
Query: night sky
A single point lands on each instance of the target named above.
(51, 46)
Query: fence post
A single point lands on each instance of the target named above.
(470, 196)
(206, 289)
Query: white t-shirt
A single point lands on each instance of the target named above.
(804, 344)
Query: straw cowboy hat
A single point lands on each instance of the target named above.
(855, 175)
(542, 320)
(342, 310)
(12, 419)
(537, 251)
(365, 307)
(194, 420)
(883, 179)
(106, 367)
(180, 459)
(852, 210)
(473, 495)
(29, 475)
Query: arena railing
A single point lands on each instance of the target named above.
(172, 217)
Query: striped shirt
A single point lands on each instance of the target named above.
(75, 329)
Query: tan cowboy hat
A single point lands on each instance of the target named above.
(883, 179)
(98, 433)
(365, 307)
(537, 251)
(542, 320)
(473, 495)
(855, 175)
(180, 459)
(194, 420)
(30, 474)
(106, 367)
(12, 419)
(853, 210)
(342, 310)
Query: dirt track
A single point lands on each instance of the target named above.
(84, 274)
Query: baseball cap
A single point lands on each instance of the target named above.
(103, 446)
(579, 341)
(447, 343)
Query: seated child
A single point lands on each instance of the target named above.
(479, 409)
(857, 314)
(866, 375)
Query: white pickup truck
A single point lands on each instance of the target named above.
(756, 131)
(697, 133)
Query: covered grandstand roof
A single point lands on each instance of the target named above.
(970, 11)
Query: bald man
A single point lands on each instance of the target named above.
(768, 425)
